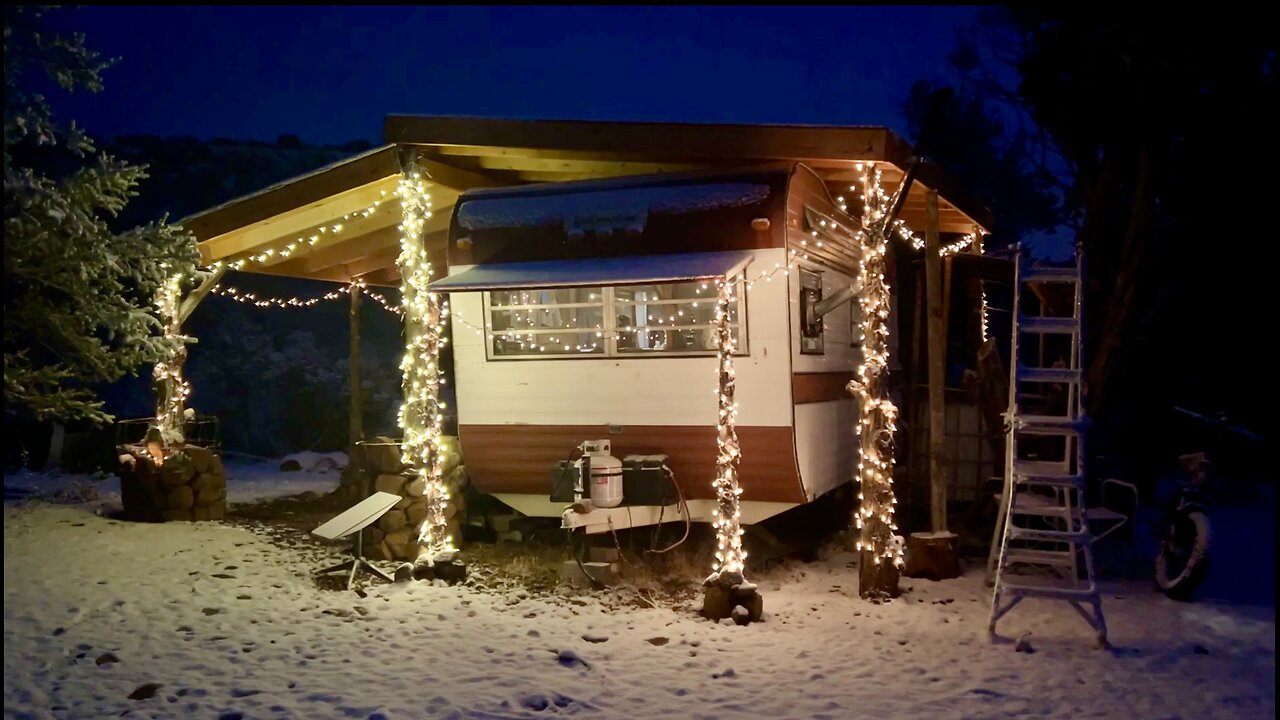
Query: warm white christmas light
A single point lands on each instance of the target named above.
(730, 558)
(172, 388)
(302, 242)
(422, 413)
(877, 421)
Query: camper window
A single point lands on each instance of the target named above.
(562, 321)
(628, 320)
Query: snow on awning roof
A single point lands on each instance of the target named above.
(585, 272)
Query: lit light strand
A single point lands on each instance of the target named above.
(301, 242)
(172, 389)
(422, 413)
(730, 558)
(250, 298)
(983, 284)
(955, 247)
(877, 420)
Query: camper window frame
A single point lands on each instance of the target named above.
(610, 329)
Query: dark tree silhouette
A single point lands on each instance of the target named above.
(1148, 123)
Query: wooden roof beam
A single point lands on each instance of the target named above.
(387, 215)
(261, 234)
(371, 167)
(652, 140)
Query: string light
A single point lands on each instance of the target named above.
(877, 421)
(250, 298)
(300, 243)
(983, 286)
(172, 388)
(955, 247)
(422, 413)
(730, 558)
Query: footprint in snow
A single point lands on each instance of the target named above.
(594, 638)
(726, 674)
(145, 691)
(569, 658)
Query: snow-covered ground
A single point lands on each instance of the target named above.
(230, 625)
(247, 481)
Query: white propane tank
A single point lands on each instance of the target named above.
(606, 474)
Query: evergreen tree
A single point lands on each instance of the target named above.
(78, 293)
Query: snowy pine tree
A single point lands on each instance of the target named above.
(79, 296)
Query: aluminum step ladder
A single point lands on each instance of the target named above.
(1042, 546)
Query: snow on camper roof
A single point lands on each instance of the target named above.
(620, 207)
(585, 272)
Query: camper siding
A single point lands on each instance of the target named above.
(661, 404)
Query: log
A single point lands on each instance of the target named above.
(932, 556)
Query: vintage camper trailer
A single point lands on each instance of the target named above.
(574, 255)
(592, 304)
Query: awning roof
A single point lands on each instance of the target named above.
(340, 222)
(585, 272)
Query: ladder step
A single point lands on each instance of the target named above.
(1054, 429)
(1084, 593)
(1075, 482)
(1049, 375)
(1038, 506)
(1106, 514)
(1069, 273)
(1042, 467)
(1063, 421)
(1053, 558)
(1080, 537)
(1040, 324)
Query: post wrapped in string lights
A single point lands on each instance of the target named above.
(422, 413)
(171, 387)
(726, 588)
(730, 558)
(879, 547)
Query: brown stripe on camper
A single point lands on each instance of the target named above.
(520, 458)
(820, 387)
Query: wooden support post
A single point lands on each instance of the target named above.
(932, 554)
(355, 411)
(937, 367)
(913, 387)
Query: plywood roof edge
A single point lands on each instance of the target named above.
(368, 166)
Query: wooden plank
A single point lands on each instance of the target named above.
(653, 140)
(355, 406)
(387, 215)
(450, 176)
(356, 247)
(370, 167)
(820, 387)
(372, 262)
(562, 165)
(520, 458)
(937, 369)
(263, 233)
(352, 249)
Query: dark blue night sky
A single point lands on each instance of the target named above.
(330, 74)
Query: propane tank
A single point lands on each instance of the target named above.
(606, 474)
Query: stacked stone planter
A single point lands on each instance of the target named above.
(190, 485)
(395, 535)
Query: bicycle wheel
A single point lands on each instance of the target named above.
(1183, 560)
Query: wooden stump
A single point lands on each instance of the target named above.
(719, 602)
(932, 556)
